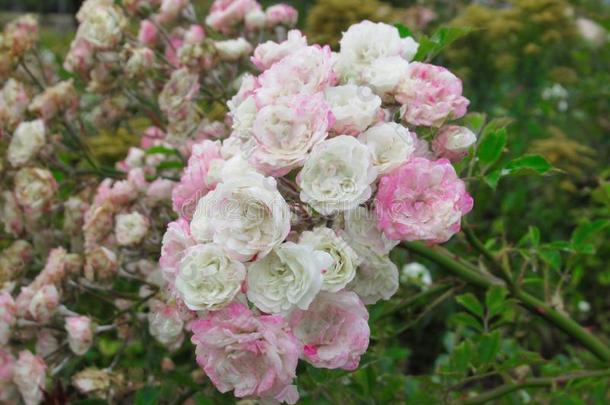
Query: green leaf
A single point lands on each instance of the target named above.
(551, 257)
(583, 234)
(474, 121)
(148, 395)
(169, 165)
(491, 147)
(444, 36)
(403, 30)
(489, 347)
(496, 124)
(160, 149)
(471, 303)
(534, 163)
(532, 237)
(495, 301)
(492, 178)
(468, 320)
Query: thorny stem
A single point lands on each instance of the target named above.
(533, 383)
(470, 274)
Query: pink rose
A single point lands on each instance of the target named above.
(80, 334)
(80, 57)
(148, 33)
(334, 330)
(160, 190)
(308, 71)
(176, 240)
(252, 355)
(193, 182)
(268, 53)
(422, 200)
(430, 94)
(43, 304)
(226, 14)
(29, 376)
(281, 14)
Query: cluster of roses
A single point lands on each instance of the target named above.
(110, 229)
(286, 225)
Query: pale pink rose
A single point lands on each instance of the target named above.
(453, 142)
(308, 71)
(99, 220)
(14, 102)
(46, 342)
(176, 240)
(150, 137)
(194, 35)
(101, 264)
(34, 189)
(8, 310)
(179, 92)
(254, 356)
(20, 35)
(284, 133)
(429, 95)
(160, 190)
(44, 303)
(268, 53)
(29, 374)
(422, 147)
(170, 10)
(80, 334)
(8, 391)
(80, 57)
(422, 200)
(225, 15)
(334, 330)
(194, 180)
(148, 33)
(58, 265)
(281, 14)
(60, 98)
(166, 325)
(10, 214)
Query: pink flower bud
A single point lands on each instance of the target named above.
(281, 14)
(453, 142)
(194, 35)
(148, 33)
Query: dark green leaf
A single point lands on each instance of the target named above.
(551, 257)
(160, 149)
(489, 347)
(444, 36)
(148, 395)
(468, 320)
(495, 300)
(492, 178)
(534, 163)
(170, 164)
(585, 232)
(491, 147)
(474, 121)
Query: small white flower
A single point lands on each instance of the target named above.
(416, 273)
(338, 175)
(392, 145)
(27, 140)
(355, 108)
(103, 27)
(384, 75)
(233, 49)
(208, 279)
(344, 258)
(289, 277)
(130, 229)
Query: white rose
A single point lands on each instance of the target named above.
(416, 273)
(289, 277)
(130, 229)
(384, 75)
(344, 258)
(27, 140)
(208, 279)
(355, 108)
(359, 228)
(103, 28)
(245, 214)
(268, 53)
(233, 49)
(391, 143)
(376, 279)
(166, 325)
(255, 19)
(338, 175)
(243, 116)
(365, 42)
